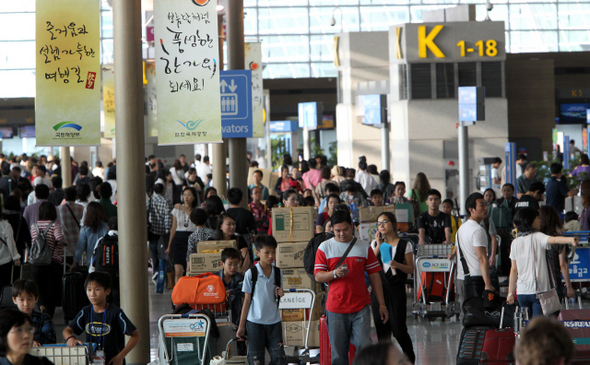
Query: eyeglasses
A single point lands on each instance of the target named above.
(382, 223)
(21, 331)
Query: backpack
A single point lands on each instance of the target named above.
(278, 281)
(501, 215)
(39, 254)
(106, 255)
(310, 251)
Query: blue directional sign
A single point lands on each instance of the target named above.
(236, 103)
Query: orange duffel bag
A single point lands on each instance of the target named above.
(206, 288)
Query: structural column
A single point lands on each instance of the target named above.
(218, 151)
(238, 166)
(463, 167)
(66, 166)
(130, 144)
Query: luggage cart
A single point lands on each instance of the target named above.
(63, 354)
(299, 299)
(183, 339)
(433, 259)
(230, 359)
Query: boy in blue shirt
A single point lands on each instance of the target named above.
(25, 294)
(103, 323)
(260, 313)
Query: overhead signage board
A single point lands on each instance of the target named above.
(448, 42)
(236, 103)
(253, 58)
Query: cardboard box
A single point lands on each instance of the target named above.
(404, 213)
(294, 334)
(370, 214)
(295, 315)
(215, 246)
(204, 262)
(293, 224)
(367, 231)
(297, 279)
(290, 255)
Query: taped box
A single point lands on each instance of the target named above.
(297, 279)
(367, 231)
(290, 255)
(204, 262)
(294, 334)
(215, 246)
(370, 214)
(293, 224)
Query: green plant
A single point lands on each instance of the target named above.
(278, 148)
(333, 149)
(544, 173)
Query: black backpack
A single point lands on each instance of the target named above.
(278, 282)
(106, 255)
(311, 250)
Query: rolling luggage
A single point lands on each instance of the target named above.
(73, 294)
(471, 344)
(498, 347)
(325, 348)
(576, 323)
(6, 293)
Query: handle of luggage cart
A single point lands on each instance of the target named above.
(306, 303)
(227, 347)
(167, 357)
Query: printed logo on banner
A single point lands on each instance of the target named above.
(62, 125)
(201, 2)
(190, 125)
(198, 326)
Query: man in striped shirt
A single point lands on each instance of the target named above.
(348, 304)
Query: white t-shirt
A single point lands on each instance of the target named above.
(42, 180)
(470, 235)
(183, 222)
(521, 251)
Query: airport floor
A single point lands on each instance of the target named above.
(434, 342)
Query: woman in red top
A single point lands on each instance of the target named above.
(283, 182)
(48, 277)
(333, 200)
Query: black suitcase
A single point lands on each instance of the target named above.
(73, 294)
(471, 344)
(6, 293)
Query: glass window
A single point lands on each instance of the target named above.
(107, 24)
(322, 48)
(294, 48)
(498, 13)
(286, 70)
(323, 69)
(249, 3)
(8, 6)
(574, 40)
(17, 55)
(107, 51)
(533, 41)
(17, 84)
(533, 16)
(319, 20)
(416, 11)
(440, 1)
(276, 3)
(17, 26)
(574, 16)
(251, 21)
(374, 18)
(283, 20)
(332, 3)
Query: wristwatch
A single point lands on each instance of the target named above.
(510, 294)
(335, 276)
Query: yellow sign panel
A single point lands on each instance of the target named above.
(108, 99)
(427, 41)
(67, 109)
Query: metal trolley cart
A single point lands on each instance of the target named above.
(183, 339)
(433, 259)
(62, 354)
(299, 299)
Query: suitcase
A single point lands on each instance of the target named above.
(325, 348)
(435, 286)
(73, 294)
(498, 347)
(471, 344)
(580, 335)
(6, 293)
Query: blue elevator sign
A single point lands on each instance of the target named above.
(236, 103)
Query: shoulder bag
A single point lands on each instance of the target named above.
(549, 299)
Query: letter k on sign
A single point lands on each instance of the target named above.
(427, 41)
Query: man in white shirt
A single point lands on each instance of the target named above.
(472, 242)
(364, 178)
(204, 168)
(42, 178)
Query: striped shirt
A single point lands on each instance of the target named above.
(348, 294)
(55, 239)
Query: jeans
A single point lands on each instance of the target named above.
(531, 302)
(154, 239)
(348, 328)
(261, 336)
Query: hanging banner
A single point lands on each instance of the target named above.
(108, 100)
(67, 105)
(253, 55)
(187, 71)
(151, 117)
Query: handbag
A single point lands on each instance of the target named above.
(206, 288)
(474, 285)
(549, 299)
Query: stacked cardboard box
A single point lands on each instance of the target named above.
(208, 256)
(368, 218)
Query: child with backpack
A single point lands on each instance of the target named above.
(261, 318)
(25, 295)
(105, 256)
(104, 324)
